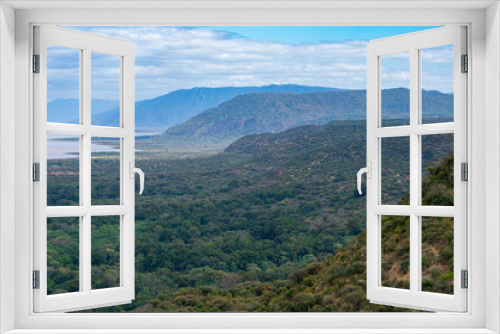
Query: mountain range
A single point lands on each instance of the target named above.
(259, 113)
(232, 112)
(178, 106)
(67, 110)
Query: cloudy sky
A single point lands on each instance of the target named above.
(171, 58)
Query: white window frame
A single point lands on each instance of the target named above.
(484, 102)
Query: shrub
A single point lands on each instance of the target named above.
(297, 275)
(405, 266)
(357, 268)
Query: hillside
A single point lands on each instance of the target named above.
(67, 110)
(260, 113)
(268, 205)
(178, 106)
(338, 283)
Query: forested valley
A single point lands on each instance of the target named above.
(273, 223)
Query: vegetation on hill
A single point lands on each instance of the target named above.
(246, 219)
(338, 283)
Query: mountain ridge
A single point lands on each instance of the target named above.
(67, 110)
(180, 105)
(269, 112)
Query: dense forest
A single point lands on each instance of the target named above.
(338, 283)
(273, 223)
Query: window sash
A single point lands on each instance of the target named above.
(414, 298)
(85, 298)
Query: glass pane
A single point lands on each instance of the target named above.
(437, 255)
(396, 252)
(105, 252)
(63, 85)
(437, 170)
(105, 89)
(63, 170)
(63, 255)
(395, 83)
(105, 171)
(437, 84)
(395, 170)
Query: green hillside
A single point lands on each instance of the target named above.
(338, 283)
(252, 215)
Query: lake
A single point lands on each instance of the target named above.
(67, 146)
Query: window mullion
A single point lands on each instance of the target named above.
(99, 131)
(414, 171)
(421, 129)
(434, 129)
(85, 260)
(86, 242)
(82, 223)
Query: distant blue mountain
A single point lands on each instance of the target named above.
(67, 110)
(178, 106)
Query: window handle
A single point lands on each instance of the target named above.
(368, 171)
(133, 171)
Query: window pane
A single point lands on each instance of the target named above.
(395, 252)
(437, 84)
(395, 170)
(437, 170)
(105, 89)
(63, 255)
(105, 252)
(63, 85)
(437, 255)
(105, 171)
(63, 170)
(395, 83)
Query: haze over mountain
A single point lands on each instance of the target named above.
(178, 106)
(258, 113)
(67, 110)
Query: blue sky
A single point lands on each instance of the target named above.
(316, 34)
(171, 58)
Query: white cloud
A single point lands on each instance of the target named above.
(170, 58)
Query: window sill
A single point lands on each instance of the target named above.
(251, 331)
